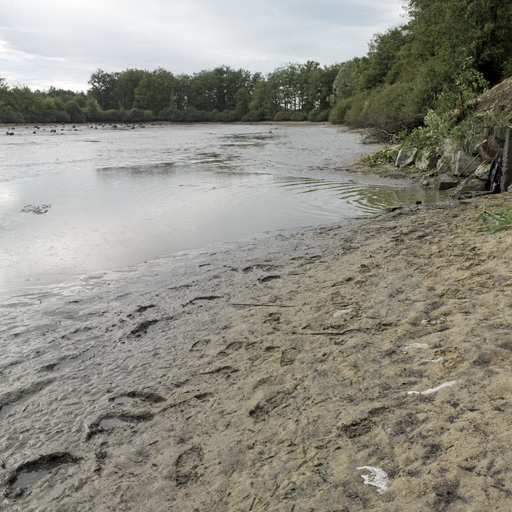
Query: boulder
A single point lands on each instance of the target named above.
(406, 156)
(482, 171)
(464, 165)
(427, 162)
(446, 181)
(446, 148)
(470, 185)
(443, 165)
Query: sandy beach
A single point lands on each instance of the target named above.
(363, 365)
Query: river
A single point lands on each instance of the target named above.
(78, 200)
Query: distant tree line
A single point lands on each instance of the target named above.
(447, 52)
(293, 92)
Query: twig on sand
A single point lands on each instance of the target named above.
(326, 333)
(265, 305)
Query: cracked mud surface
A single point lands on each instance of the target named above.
(261, 375)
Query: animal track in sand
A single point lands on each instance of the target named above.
(113, 421)
(187, 465)
(200, 345)
(235, 346)
(84, 356)
(272, 401)
(362, 426)
(288, 356)
(145, 327)
(145, 396)
(266, 279)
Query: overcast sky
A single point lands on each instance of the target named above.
(61, 42)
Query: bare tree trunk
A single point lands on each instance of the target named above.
(506, 179)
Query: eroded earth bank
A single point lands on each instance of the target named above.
(273, 374)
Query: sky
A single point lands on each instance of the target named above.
(61, 43)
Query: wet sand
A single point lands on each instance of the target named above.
(271, 374)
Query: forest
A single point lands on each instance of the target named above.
(443, 55)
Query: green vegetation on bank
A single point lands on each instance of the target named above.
(296, 92)
(497, 221)
(422, 74)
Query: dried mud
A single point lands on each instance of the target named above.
(271, 374)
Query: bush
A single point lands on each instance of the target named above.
(283, 116)
(318, 116)
(8, 115)
(110, 116)
(171, 114)
(339, 112)
(299, 116)
(228, 116)
(63, 117)
(192, 115)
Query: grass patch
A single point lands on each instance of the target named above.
(500, 220)
(386, 155)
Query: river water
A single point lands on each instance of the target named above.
(86, 199)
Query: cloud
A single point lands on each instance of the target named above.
(60, 43)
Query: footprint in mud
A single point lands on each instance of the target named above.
(143, 309)
(113, 421)
(263, 267)
(362, 426)
(152, 398)
(231, 348)
(272, 318)
(266, 279)
(288, 356)
(84, 356)
(29, 473)
(145, 327)
(15, 399)
(200, 345)
(187, 465)
(227, 371)
(185, 404)
(272, 401)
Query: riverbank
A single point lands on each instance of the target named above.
(271, 374)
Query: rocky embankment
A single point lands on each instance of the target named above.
(467, 174)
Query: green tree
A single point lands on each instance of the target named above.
(103, 88)
(75, 113)
(156, 91)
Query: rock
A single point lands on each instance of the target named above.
(464, 165)
(482, 171)
(446, 148)
(425, 183)
(445, 182)
(427, 161)
(443, 165)
(406, 156)
(470, 185)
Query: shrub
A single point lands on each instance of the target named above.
(283, 116)
(299, 116)
(318, 116)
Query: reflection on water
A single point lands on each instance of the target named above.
(126, 197)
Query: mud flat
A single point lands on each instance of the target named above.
(359, 366)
